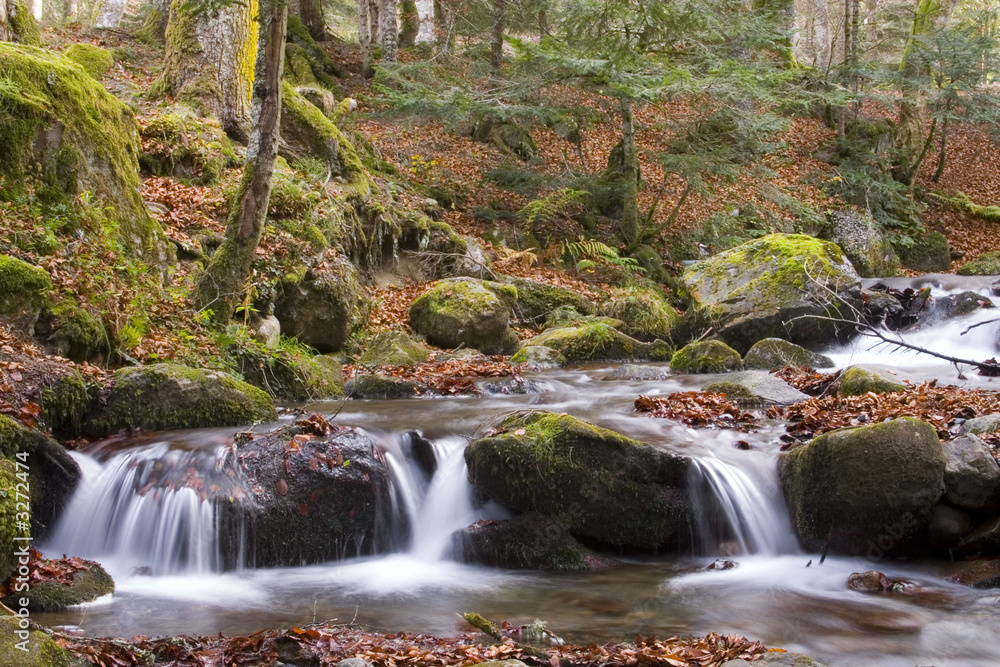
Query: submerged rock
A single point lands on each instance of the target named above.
(599, 484)
(867, 490)
(707, 356)
(466, 312)
(771, 354)
(633, 373)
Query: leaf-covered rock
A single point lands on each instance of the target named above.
(757, 389)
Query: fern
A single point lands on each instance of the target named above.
(590, 249)
(544, 209)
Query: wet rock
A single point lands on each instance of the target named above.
(767, 287)
(942, 308)
(707, 356)
(772, 353)
(861, 239)
(394, 348)
(42, 649)
(601, 485)
(947, 526)
(291, 376)
(85, 586)
(421, 450)
(776, 660)
(538, 357)
(634, 373)
(323, 306)
(516, 386)
(971, 474)
(759, 388)
(867, 490)
(536, 301)
(171, 396)
(985, 424)
(884, 309)
(527, 542)
(984, 540)
(722, 564)
(976, 573)
(598, 342)
(292, 652)
(380, 387)
(311, 498)
(467, 312)
(353, 662)
(859, 380)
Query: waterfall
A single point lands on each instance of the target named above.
(739, 510)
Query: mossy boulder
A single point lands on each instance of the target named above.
(394, 348)
(23, 292)
(536, 301)
(986, 264)
(598, 341)
(772, 353)
(757, 389)
(567, 316)
(65, 135)
(467, 312)
(42, 650)
(54, 473)
(70, 331)
(863, 242)
(538, 357)
(527, 542)
(84, 586)
(171, 396)
(929, 253)
(867, 490)
(644, 312)
(323, 67)
(770, 287)
(96, 61)
(599, 484)
(65, 401)
(298, 69)
(11, 527)
(506, 135)
(706, 356)
(322, 307)
(858, 380)
(291, 375)
(380, 387)
(178, 144)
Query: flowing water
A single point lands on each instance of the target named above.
(135, 510)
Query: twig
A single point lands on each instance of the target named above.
(979, 324)
(493, 630)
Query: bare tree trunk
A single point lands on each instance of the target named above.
(821, 35)
(410, 25)
(311, 13)
(35, 8)
(365, 39)
(444, 24)
(220, 287)
(374, 15)
(496, 45)
(390, 30)
(630, 181)
(4, 22)
(209, 60)
(110, 15)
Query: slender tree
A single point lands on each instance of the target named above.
(496, 41)
(389, 30)
(365, 38)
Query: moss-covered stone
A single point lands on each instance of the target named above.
(592, 342)
(865, 245)
(644, 311)
(96, 61)
(599, 484)
(41, 649)
(772, 353)
(195, 150)
(566, 316)
(170, 396)
(323, 306)
(508, 136)
(986, 264)
(85, 586)
(867, 490)
(298, 69)
(538, 357)
(65, 134)
(707, 356)
(12, 526)
(466, 312)
(323, 67)
(857, 381)
(23, 26)
(23, 290)
(393, 348)
(770, 288)
(380, 387)
(929, 253)
(72, 332)
(536, 301)
(292, 376)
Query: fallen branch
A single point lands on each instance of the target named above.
(493, 630)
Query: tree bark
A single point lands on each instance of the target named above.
(110, 15)
(70, 8)
(220, 287)
(209, 61)
(409, 27)
(390, 30)
(443, 19)
(4, 22)
(630, 181)
(496, 45)
(365, 39)
(311, 13)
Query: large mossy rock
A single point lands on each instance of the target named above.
(598, 341)
(95, 60)
(600, 485)
(394, 348)
(23, 291)
(322, 307)
(768, 288)
(84, 586)
(644, 313)
(467, 312)
(536, 301)
(11, 527)
(868, 490)
(538, 357)
(706, 356)
(195, 150)
(171, 396)
(859, 380)
(42, 650)
(865, 245)
(54, 473)
(70, 331)
(929, 253)
(986, 264)
(321, 493)
(773, 353)
(292, 375)
(64, 135)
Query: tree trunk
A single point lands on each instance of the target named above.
(311, 13)
(220, 287)
(410, 25)
(70, 8)
(630, 175)
(154, 28)
(209, 61)
(4, 22)
(496, 45)
(110, 15)
(443, 24)
(784, 11)
(390, 31)
(365, 39)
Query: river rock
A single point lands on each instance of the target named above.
(634, 373)
(567, 316)
(171, 396)
(942, 308)
(54, 473)
(986, 264)
(372, 386)
(971, 474)
(394, 348)
(535, 301)
(12, 531)
(776, 660)
(759, 289)
(85, 586)
(860, 380)
(601, 485)
(467, 312)
(986, 424)
(706, 356)
(867, 490)
(984, 540)
(976, 573)
(759, 388)
(527, 542)
(644, 313)
(516, 386)
(871, 581)
(947, 526)
(538, 357)
(313, 497)
(322, 307)
(598, 342)
(773, 353)
(928, 254)
(862, 240)
(42, 650)
(291, 375)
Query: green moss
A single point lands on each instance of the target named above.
(644, 311)
(469, 312)
(567, 316)
(707, 356)
(96, 61)
(65, 402)
(986, 264)
(75, 333)
(772, 353)
(538, 356)
(24, 27)
(590, 342)
(290, 374)
(193, 150)
(736, 393)
(536, 301)
(298, 69)
(393, 348)
(857, 381)
(11, 528)
(86, 586)
(322, 65)
(20, 283)
(930, 252)
(989, 213)
(42, 649)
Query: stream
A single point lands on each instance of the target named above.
(777, 594)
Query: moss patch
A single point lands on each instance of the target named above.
(707, 356)
(773, 353)
(987, 264)
(291, 376)
(590, 342)
(644, 311)
(9, 520)
(466, 311)
(393, 348)
(24, 26)
(857, 381)
(23, 289)
(929, 253)
(42, 649)
(73, 332)
(96, 61)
